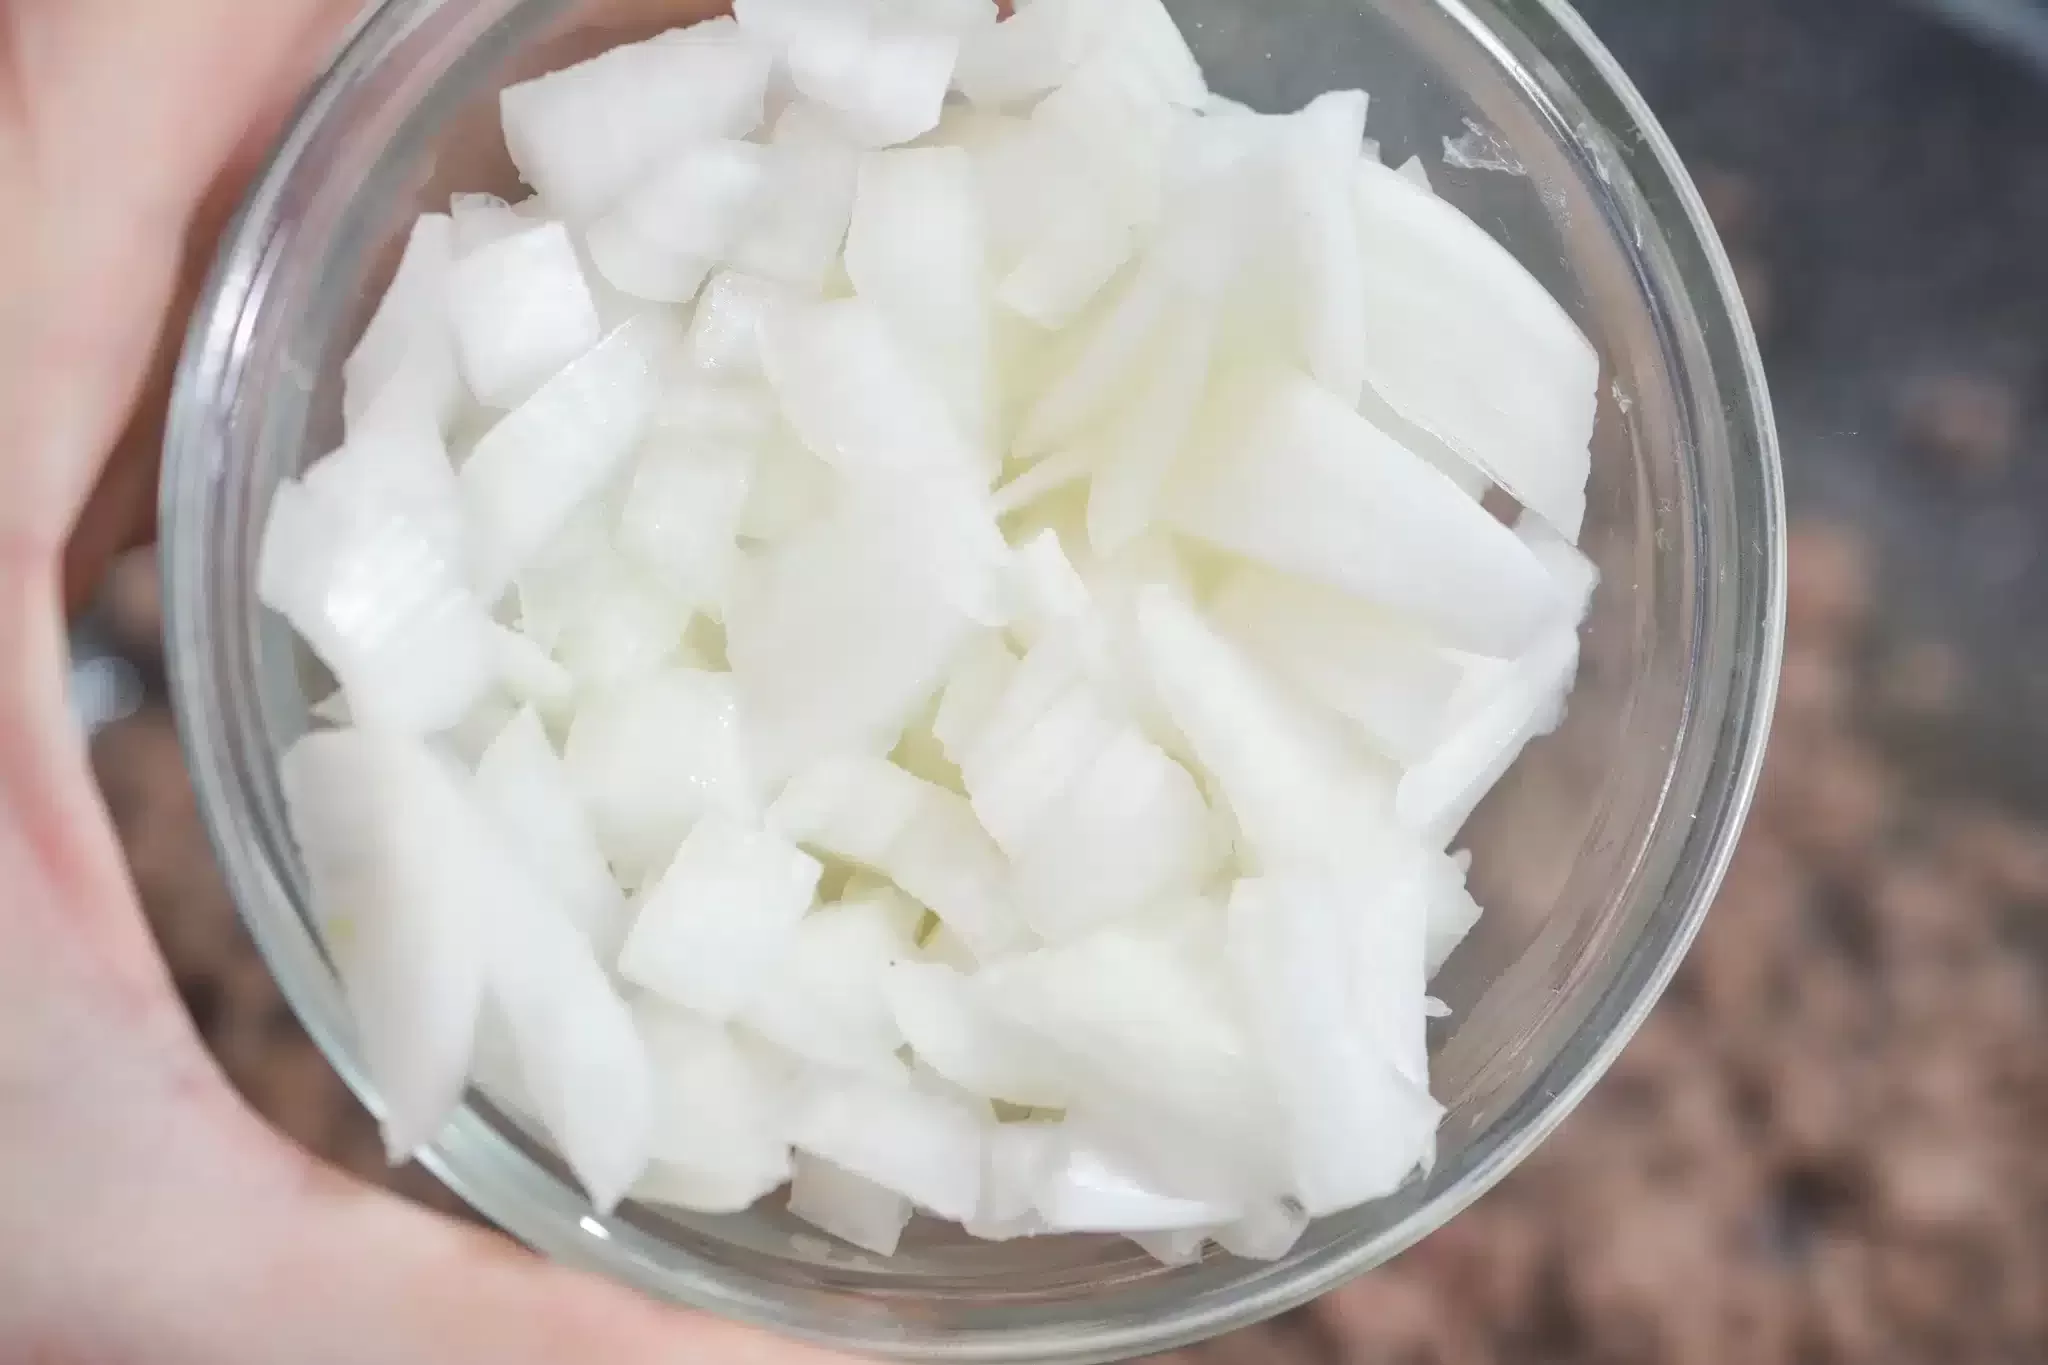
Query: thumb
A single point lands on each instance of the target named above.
(360, 1277)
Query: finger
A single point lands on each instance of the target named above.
(204, 87)
(367, 1278)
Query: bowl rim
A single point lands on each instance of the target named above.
(1639, 149)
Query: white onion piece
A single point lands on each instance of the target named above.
(853, 808)
(710, 933)
(521, 312)
(466, 742)
(827, 1002)
(858, 400)
(1118, 126)
(619, 626)
(669, 1184)
(919, 835)
(1268, 1233)
(806, 202)
(568, 571)
(1172, 1249)
(526, 788)
(580, 1059)
(1147, 438)
(1294, 792)
(1015, 786)
(652, 758)
(395, 462)
(1501, 707)
(1356, 1127)
(1090, 1191)
(1100, 368)
(1159, 1062)
(1319, 147)
(530, 674)
(1519, 401)
(1017, 1160)
(710, 407)
(683, 515)
(848, 1207)
(1026, 174)
(1053, 597)
(1516, 704)
(583, 136)
(1131, 831)
(1368, 666)
(944, 16)
(947, 862)
(940, 1013)
(533, 469)
(835, 642)
(917, 250)
(1453, 913)
(376, 819)
(883, 75)
(725, 333)
(1295, 479)
(405, 360)
(661, 240)
(1065, 271)
(720, 1116)
(1384, 903)
(1029, 53)
(922, 1146)
(973, 689)
(368, 574)
(483, 219)
(792, 491)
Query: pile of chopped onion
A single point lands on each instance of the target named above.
(918, 625)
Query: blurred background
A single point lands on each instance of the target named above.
(1830, 1143)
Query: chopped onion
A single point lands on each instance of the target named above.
(536, 467)
(662, 239)
(1472, 350)
(360, 557)
(917, 250)
(1356, 1126)
(720, 1116)
(1296, 480)
(710, 933)
(521, 311)
(851, 1208)
(652, 758)
(1367, 665)
(828, 1002)
(375, 818)
(923, 1147)
(583, 136)
(956, 636)
(405, 361)
(806, 202)
(526, 787)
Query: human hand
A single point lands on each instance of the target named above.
(145, 1214)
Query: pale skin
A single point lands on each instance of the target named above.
(146, 1216)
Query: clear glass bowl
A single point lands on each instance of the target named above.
(1597, 860)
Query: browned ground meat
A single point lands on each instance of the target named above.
(1826, 1146)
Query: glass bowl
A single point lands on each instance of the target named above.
(1596, 860)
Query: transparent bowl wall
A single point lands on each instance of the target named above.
(1596, 860)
